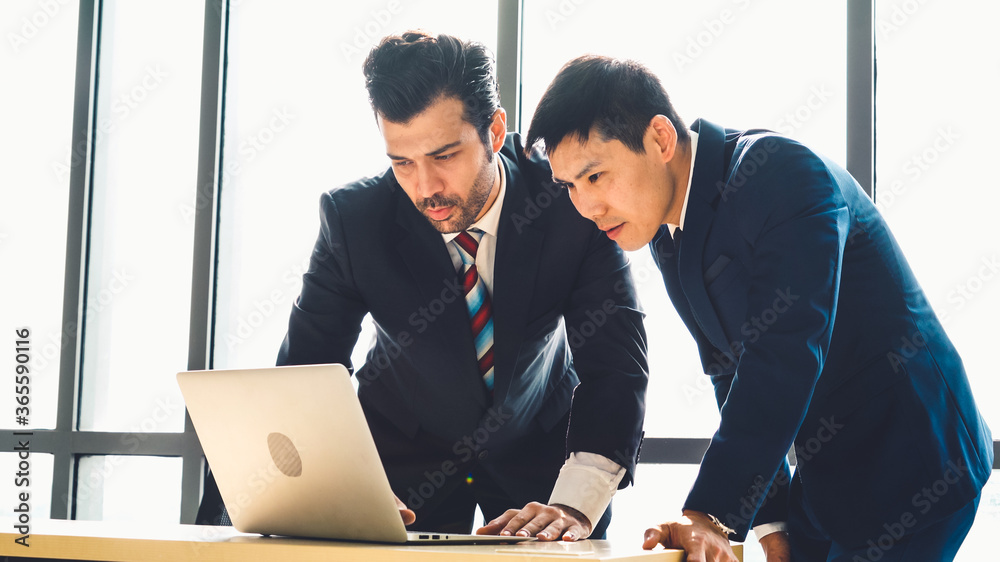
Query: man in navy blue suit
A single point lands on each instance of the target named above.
(808, 319)
(507, 327)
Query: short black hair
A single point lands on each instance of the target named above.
(616, 98)
(405, 74)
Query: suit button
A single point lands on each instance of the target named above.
(483, 454)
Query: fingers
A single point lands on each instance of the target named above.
(494, 527)
(489, 529)
(662, 534)
(699, 546)
(547, 526)
(558, 529)
(548, 523)
(578, 526)
(651, 538)
(528, 521)
(408, 515)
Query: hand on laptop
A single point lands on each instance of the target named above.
(406, 513)
(547, 522)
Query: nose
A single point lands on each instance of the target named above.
(428, 182)
(588, 204)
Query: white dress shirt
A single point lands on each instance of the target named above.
(687, 193)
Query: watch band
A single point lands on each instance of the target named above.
(720, 525)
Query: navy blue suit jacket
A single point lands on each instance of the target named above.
(817, 335)
(565, 318)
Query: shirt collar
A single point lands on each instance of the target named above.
(687, 193)
(490, 223)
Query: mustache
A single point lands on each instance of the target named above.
(437, 201)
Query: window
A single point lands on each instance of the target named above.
(296, 123)
(935, 113)
(136, 321)
(34, 197)
(117, 488)
(692, 48)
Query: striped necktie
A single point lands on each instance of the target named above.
(477, 298)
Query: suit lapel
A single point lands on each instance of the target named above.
(518, 257)
(662, 248)
(422, 250)
(708, 171)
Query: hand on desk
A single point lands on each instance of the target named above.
(547, 522)
(406, 513)
(696, 534)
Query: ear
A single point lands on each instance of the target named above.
(498, 129)
(661, 136)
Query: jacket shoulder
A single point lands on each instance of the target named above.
(538, 199)
(362, 207)
(365, 191)
(532, 166)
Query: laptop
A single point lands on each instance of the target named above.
(292, 455)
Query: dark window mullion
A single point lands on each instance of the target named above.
(205, 250)
(861, 92)
(509, 44)
(77, 246)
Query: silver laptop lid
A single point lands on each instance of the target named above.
(292, 453)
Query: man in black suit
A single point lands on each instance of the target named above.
(500, 313)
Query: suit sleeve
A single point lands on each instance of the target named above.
(797, 222)
(326, 317)
(774, 509)
(608, 342)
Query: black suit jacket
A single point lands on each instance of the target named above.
(567, 334)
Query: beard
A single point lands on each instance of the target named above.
(466, 210)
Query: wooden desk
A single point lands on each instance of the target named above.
(125, 542)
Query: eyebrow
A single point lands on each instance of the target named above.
(586, 170)
(435, 152)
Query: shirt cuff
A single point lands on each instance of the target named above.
(587, 482)
(762, 531)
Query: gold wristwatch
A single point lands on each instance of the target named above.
(720, 525)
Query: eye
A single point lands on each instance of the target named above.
(401, 163)
(444, 157)
(564, 185)
(593, 177)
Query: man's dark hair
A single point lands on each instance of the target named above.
(615, 98)
(406, 73)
